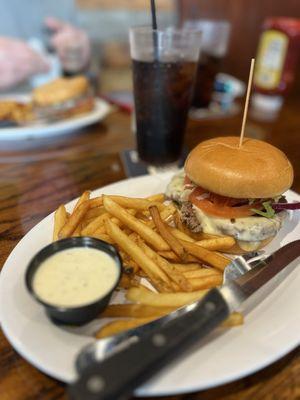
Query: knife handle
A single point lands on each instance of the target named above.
(116, 377)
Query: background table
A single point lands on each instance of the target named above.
(37, 176)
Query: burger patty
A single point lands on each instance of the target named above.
(189, 218)
(250, 229)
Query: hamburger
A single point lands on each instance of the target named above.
(63, 98)
(237, 191)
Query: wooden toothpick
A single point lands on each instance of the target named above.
(247, 101)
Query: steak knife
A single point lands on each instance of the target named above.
(116, 377)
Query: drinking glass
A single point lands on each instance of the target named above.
(164, 68)
(215, 37)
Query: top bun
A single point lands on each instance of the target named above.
(59, 91)
(254, 170)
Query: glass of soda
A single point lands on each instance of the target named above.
(215, 37)
(164, 69)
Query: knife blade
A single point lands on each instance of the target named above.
(116, 377)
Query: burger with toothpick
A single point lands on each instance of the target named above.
(234, 186)
(227, 189)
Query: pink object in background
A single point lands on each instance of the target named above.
(18, 62)
(71, 44)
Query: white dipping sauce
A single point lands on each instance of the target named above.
(75, 277)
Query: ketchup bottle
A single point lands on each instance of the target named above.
(276, 60)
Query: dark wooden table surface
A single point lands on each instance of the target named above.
(37, 176)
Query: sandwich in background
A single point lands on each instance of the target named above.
(63, 97)
(59, 99)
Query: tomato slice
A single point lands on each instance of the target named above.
(220, 206)
(187, 180)
(224, 201)
(198, 191)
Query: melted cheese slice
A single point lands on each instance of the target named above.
(248, 229)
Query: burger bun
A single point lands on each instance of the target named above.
(255, 170)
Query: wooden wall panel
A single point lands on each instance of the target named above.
(246, 17)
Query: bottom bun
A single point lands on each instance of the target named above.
(81, 105)
(238, 250)
(84, 105)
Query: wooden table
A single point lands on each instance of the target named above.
(37, 176)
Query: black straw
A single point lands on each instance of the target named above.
(153, 12)
(154, 27)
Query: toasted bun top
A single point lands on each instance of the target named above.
(255, 170)
(60, 90)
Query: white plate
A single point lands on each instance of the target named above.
(69, 125)
(270, 331)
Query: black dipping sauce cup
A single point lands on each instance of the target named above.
(79, 314)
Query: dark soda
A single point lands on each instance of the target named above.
(163, 93)
(208, 67)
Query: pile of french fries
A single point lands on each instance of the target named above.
(164, 265)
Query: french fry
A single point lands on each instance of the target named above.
(128, 281)
(160, 286)
(179, 299)
(175, 275)
(126, 202)
(174, 244)
(234, 319)
(196, 236)
(160, 197)
(125, 257)
(206, 282)
(94, 225)
(142, 285)
(85, 221)
(128, 263)
(135, 203)
(134, 236)
(204, 236)
(212, 258)
(217, 244)
(201, 272)
(74, 220)
(178, 222)
(102, 236)
(115, 327)
(60, 218)
(100, 230)
(96, 202)
(165, 215)
(168, 210)
(97, 225)
(124, 282)
(133, 250)
(134, 224)
(143, 216)
(171, 256)
(187, 267)
(94, 213)
(181, 235)
(77, 231)
(134, 311)
(84, 197)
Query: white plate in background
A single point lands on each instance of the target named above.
(68, 125)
